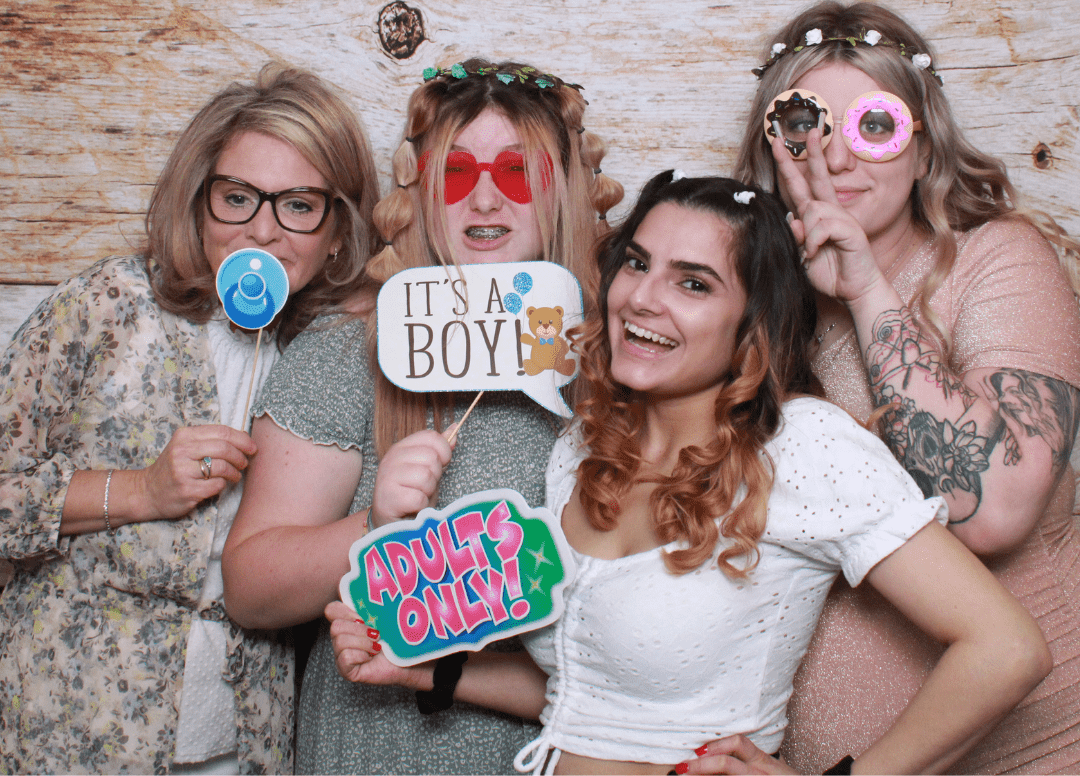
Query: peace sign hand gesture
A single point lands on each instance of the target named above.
(836, 251)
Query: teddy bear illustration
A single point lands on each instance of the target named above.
(548, 348)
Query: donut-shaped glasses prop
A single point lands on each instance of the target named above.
(877, 125)
(793, 114)
(253, 287)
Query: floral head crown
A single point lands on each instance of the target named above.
(525, 75)
(869, 38)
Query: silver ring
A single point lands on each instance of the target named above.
(205, 466)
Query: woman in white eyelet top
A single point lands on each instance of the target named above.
(710, 503)
(686, 659)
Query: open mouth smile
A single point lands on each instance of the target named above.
(640, 336)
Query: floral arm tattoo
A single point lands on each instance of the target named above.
(946, 457)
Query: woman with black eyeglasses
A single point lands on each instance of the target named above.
(122, 404)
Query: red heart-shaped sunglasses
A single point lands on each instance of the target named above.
(507, 171)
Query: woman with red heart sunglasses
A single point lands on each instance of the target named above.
(496, 165)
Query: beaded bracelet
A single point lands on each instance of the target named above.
(108, 482)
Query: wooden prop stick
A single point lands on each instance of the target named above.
(251, 382)
(461, 422)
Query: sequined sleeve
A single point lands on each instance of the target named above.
(1013, 305)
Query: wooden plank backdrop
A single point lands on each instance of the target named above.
(93, 94)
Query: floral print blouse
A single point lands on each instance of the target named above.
(93, 628)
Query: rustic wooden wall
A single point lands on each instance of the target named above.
(92, 94)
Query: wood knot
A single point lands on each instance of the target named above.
(1043, 156)
(401, 29)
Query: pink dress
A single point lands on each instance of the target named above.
(1007, 304)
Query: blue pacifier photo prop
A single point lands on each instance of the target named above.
(253, 287)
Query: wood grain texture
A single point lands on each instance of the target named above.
(93, 94)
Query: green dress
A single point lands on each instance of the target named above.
(321, 389)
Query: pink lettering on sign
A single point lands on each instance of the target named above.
(490, 591)
(473, 613)
(432, 566)
(469, 528)
(380, 580)
(447, 607)
(413, 620)
(444, 612)
(459, 580)
(508, 535)
(403, 565)
(460, 559)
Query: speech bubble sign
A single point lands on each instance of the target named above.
(486, 567)
(489, 327)
(252, 286)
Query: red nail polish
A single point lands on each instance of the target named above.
(372, 633)
(376, 647)
(358, 620)
(682, 768)
(701, 751)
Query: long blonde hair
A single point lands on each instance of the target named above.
(411, 219)
(963, 188)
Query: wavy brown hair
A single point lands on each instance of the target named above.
(411, 219)
(963, 188)
(770, 363)
(299, 108)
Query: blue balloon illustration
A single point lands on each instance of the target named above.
(522, 283)
(252, 286)
(512, 302)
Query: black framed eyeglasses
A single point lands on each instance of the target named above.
(234, 201)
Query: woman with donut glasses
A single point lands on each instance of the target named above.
(944, 307)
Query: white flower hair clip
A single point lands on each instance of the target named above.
(677, 175)
(744, 197)
(813, 37)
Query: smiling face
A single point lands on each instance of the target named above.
(486, 225)
(877, 194)
(271, 165)
(675, 305)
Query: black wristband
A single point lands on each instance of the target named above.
(842, 768)
(445, 679)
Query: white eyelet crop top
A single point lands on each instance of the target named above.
(646, 666)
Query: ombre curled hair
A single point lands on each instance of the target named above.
(301, 109)
(729, 478)
(963, 188)
(411, 219)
